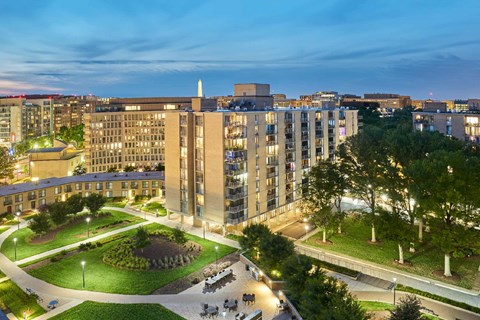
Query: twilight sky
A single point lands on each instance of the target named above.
(161, 48)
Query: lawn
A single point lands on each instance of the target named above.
(3, 229)
(382, 306)
(117, 203)
(2, 274)
(88, 310)
(67, 235)
(155, 207)
(105, 278)
(18, 301)
(427, 259)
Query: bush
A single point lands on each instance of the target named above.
(54, 259)
(63, 252)
(99, 244)
(121, 256)
(141, 197)
(9, 217)
(86, 246)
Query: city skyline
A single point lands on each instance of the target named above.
(158, 48)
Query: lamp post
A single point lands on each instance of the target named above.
(18, 219)
(88, 227)
(144, 212)
(203, 225)
(394, 287)
(83, 274)
(15, 246)
(17, 167)
(216, 256)
(306, 231)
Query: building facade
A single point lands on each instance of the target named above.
(31, 195)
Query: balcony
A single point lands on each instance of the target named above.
(272, 207)
(240, 135)
(271, 132)
(271, 143)
(271, 196)
(32, 197)
(234, 124)
(7, 202)
(234, 183)
(288, 130)
(305, 156)
(234, 172)
(289, 120)
(236, 196)
(235, 209)
(235, 220)
(305, 148)
(272, 174)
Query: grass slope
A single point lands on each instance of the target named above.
(18, 301)
(105, 278)
(93, 310)
(427, 259)
(72, 233)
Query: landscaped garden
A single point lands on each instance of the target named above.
(13, 299)
(117, 202)
(29, 244)
(3, 229)
(88, 310)
(155, 208)
(354, 241)
(143, 273)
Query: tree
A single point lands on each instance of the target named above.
(58, 212)
(394, 227)
(408, 309)
(179, 237)
(252, 235)
(142, 238)
(364, 161)
(445, 184)
(129, 168)
(6, 163)
(72, 135)
(80, 169)
(112, 169)
(296, 270)
(324, 188)
(75, 203)
(40, 223)
(326, 298)
(274, 249)
(160, 167)
(94, 202)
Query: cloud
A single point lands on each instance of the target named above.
(8, 87)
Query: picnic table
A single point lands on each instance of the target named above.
(211, 310)
(230, 304)
(222, 274)
(249, 297)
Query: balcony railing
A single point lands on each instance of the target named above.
(236, 196)
(234, 183)
(235, 209)
(271, 174)
(235, 220)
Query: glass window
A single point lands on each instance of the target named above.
(144, 184)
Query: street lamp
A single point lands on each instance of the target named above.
(203, 224)
(144, 212)
(18, 219)
(216, 255)
(306, 231)
(15, 245)
(394, 287)
(17, 167)
(83, 274)
(88, 227)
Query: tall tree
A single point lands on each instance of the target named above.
(142, 238)
(324, 189)
(80, 169)
(94, 202)
(75, 203)
(6, 163)
(179, 237)
(58, 212)
(364, 160)
(296, 270)
(274, 249)
(445, 184)
(252, 235)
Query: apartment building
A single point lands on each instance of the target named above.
(464, 126)
(384, 101)
(31, 195)
(24, 117)
(68, 111)
(230, 168)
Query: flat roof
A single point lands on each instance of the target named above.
(90, 177)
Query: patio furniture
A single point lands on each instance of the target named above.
(212, 311)
(204, 305)
(240, 316)
(230, 304)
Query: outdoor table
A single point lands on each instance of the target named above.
(248, 297)
(230, 304)
(212, 309)
(218, 277)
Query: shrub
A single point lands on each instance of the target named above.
(9, 217)
(121, 256)
(54, 259)
(63, 252)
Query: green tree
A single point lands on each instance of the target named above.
(142, 239)
(80, 169)
(327, 298)
(408, 309)
(274, 249)
(6, 163)
(94, 202)
(160, 167)
(296, 270)
(252, 235)
(324, 189)
(445, 184)
(112, 169)
(58, 212)
(129, 168)
(72, 135)
(40, 223)
(75, 203)
(364, 161)
(179, 237)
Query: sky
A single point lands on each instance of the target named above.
(422, 48)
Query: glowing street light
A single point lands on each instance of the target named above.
(394, 287)
(83, 273)
(216, 255)
(203, 224)
(88, 227)
(306, 230)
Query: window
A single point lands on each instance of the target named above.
(19, 198)
(134, 184)
(58, 190)
(108, 185)
(145, 192)
(99, 186)
(19, 207)
(154, 184)
(144, 184)
(124, 185)
(42, 193)
(124, 193)
(42, 201)
(88, 186)
(68, 188)
(78, 186)
(109, 194)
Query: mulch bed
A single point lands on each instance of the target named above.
(161, 247)
(186, 282)
(439, 273)
(406, 263)
(326, 243)
(44, 262)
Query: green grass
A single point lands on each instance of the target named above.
(427, 259)
(233, 237)
(72, 233)
(376, 306)
(2, 274)
(117, 204)
(18, 301)
(94, 310)
(154, 207)
(3, 229)
(105, 278)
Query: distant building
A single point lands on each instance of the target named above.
(325, 99)
(384, 101)
(68, 111)
(460, 105)
(473, 104)
(434, 106)
(58, 161)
